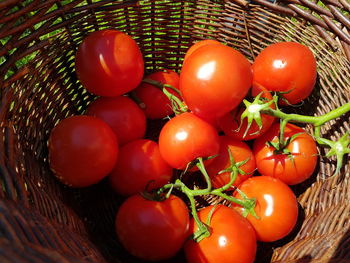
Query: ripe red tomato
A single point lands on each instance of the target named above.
(199, 44)
(232, 238)
(240, 152)
(276, 206)
(185, 138)
(286, 66)
(156, 103)
(139, 165)
(232, 125)
(82, 150)
(109, 63)
(291, 168)
(152, 230)
(214, 80)
(122, 114)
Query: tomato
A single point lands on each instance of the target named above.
(292, 168)
(185, 138)
(232, 238)
(122, 114)
(276, 207)
(214, 80)
(152, 230)
(199, 44)
(286, 66)
(82, 150)
(109, 63)
(156, 103)
(139, 165)
(240, 152)
(232, 125)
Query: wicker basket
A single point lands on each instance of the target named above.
(43, 221)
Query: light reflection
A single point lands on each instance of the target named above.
(222, 241)
(181, 136)
(206, 71)
(279, 63)
(269, 208)
(104, 65)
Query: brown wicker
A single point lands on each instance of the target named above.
(43, 221)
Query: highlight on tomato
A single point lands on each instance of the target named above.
(82, 150)
(286, 67)
(155, 103)
(293, 161)
(152, 230)
(221, 167)
(214, 80)
(232, 239)
(276, 207)
(109, 63)
(122, 114)
(140, 166)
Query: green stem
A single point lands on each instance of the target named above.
(201, 168)
(315, 120)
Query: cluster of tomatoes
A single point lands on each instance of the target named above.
(210, 123)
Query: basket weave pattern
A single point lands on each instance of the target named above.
(43, 221)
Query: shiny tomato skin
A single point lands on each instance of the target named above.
(232, 238)
(240, 152)
(156, 104)
(109, 63)
(122, 114)
(199, 44)
(286, 66)
(139, 165)
(276, 207)
(214, 80)
(185, 138)
(292, 169)
(82, 150)
(232, 125)
(152, 230)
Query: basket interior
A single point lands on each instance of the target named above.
(39, 87)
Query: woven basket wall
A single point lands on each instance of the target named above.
(43, 221)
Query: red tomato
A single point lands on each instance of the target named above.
(286, 66)
(214, 80)
(199, 44)
(232, 238)
(152, 230)
(291, 168)
(156, 103)
(185, 138)
(109, 63)
(240, 152)
(139, 165)
(232, 125)
(122, 114)
(82, 150)
(276, 206)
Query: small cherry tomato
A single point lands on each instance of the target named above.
(232, 125)
(214, 80)
(185, 138)
(232, 238)
(152, 230)
(240, 152)
(82, 150)
(295, 164)
(286, 67)
(276, 207)
(156, 103)
(122, 114)
(139, 165)
(109, 63)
